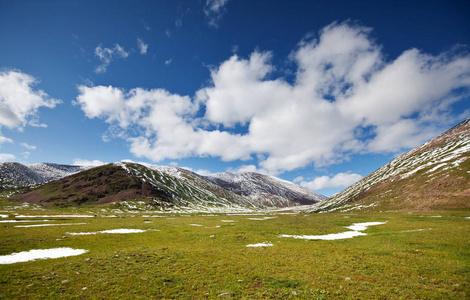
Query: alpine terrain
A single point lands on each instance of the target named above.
(266, 190)
(16, 176)
(433, 176)
(160, 188)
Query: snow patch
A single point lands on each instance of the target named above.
(39, 254)
(112, 231)
(3, 216)
(264, 244)
(45, 225)
(326, 237)
(363, 226)
(356, 231)
(20, 221)
(54, 216)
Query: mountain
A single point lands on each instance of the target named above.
(14, 175)
(433, 176)
(165, 188)
(169, 187)
(266, 190)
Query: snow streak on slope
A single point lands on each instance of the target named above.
(13, 175)
(264, 189)
(433, 160)
(188, 191)
(49, 171)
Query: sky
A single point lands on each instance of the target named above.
(321, 93)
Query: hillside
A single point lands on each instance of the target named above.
(163, 188)
(433, 176)
(266, 190)
(13, 175)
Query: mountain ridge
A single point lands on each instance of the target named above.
(169, 187)
(278, 193)
(434, 175)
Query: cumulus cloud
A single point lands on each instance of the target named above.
(20, 101)
(214, 10)
(107, 55)
(346, 99)
(340, 180)
(142, 46)
(87, 163)
(5, 157)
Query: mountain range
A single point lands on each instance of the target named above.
(157, 187)
(433, 176)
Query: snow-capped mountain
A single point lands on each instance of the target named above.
(14, 175)
(435, 175)
(49, 171)
(266, 190)
(148, 187)
(169, 187)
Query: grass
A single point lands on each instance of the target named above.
(413, 255)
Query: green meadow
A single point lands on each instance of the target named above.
(413, 256)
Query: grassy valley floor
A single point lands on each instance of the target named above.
(413, 255)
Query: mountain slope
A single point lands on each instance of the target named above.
(433, 176)
(49, 171)
(266, 190)
(158, 187)
(13, 175)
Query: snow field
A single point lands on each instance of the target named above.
(111, 231)
(39, 254)
(356, 228)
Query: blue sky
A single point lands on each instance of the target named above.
(321, 93)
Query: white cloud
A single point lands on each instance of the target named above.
(326, 182)
(168, 61)
(5, 157)
(214, 10)
(27, 146)
(107, 55)
(20, 101)
(26, 154)
(142, 46)
(87, 163)
(4, 140)
(343, 87)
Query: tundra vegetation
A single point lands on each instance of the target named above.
(422, 255)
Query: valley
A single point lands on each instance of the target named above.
(169, 233)
(209, 256)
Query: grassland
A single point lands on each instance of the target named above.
(413, 255)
